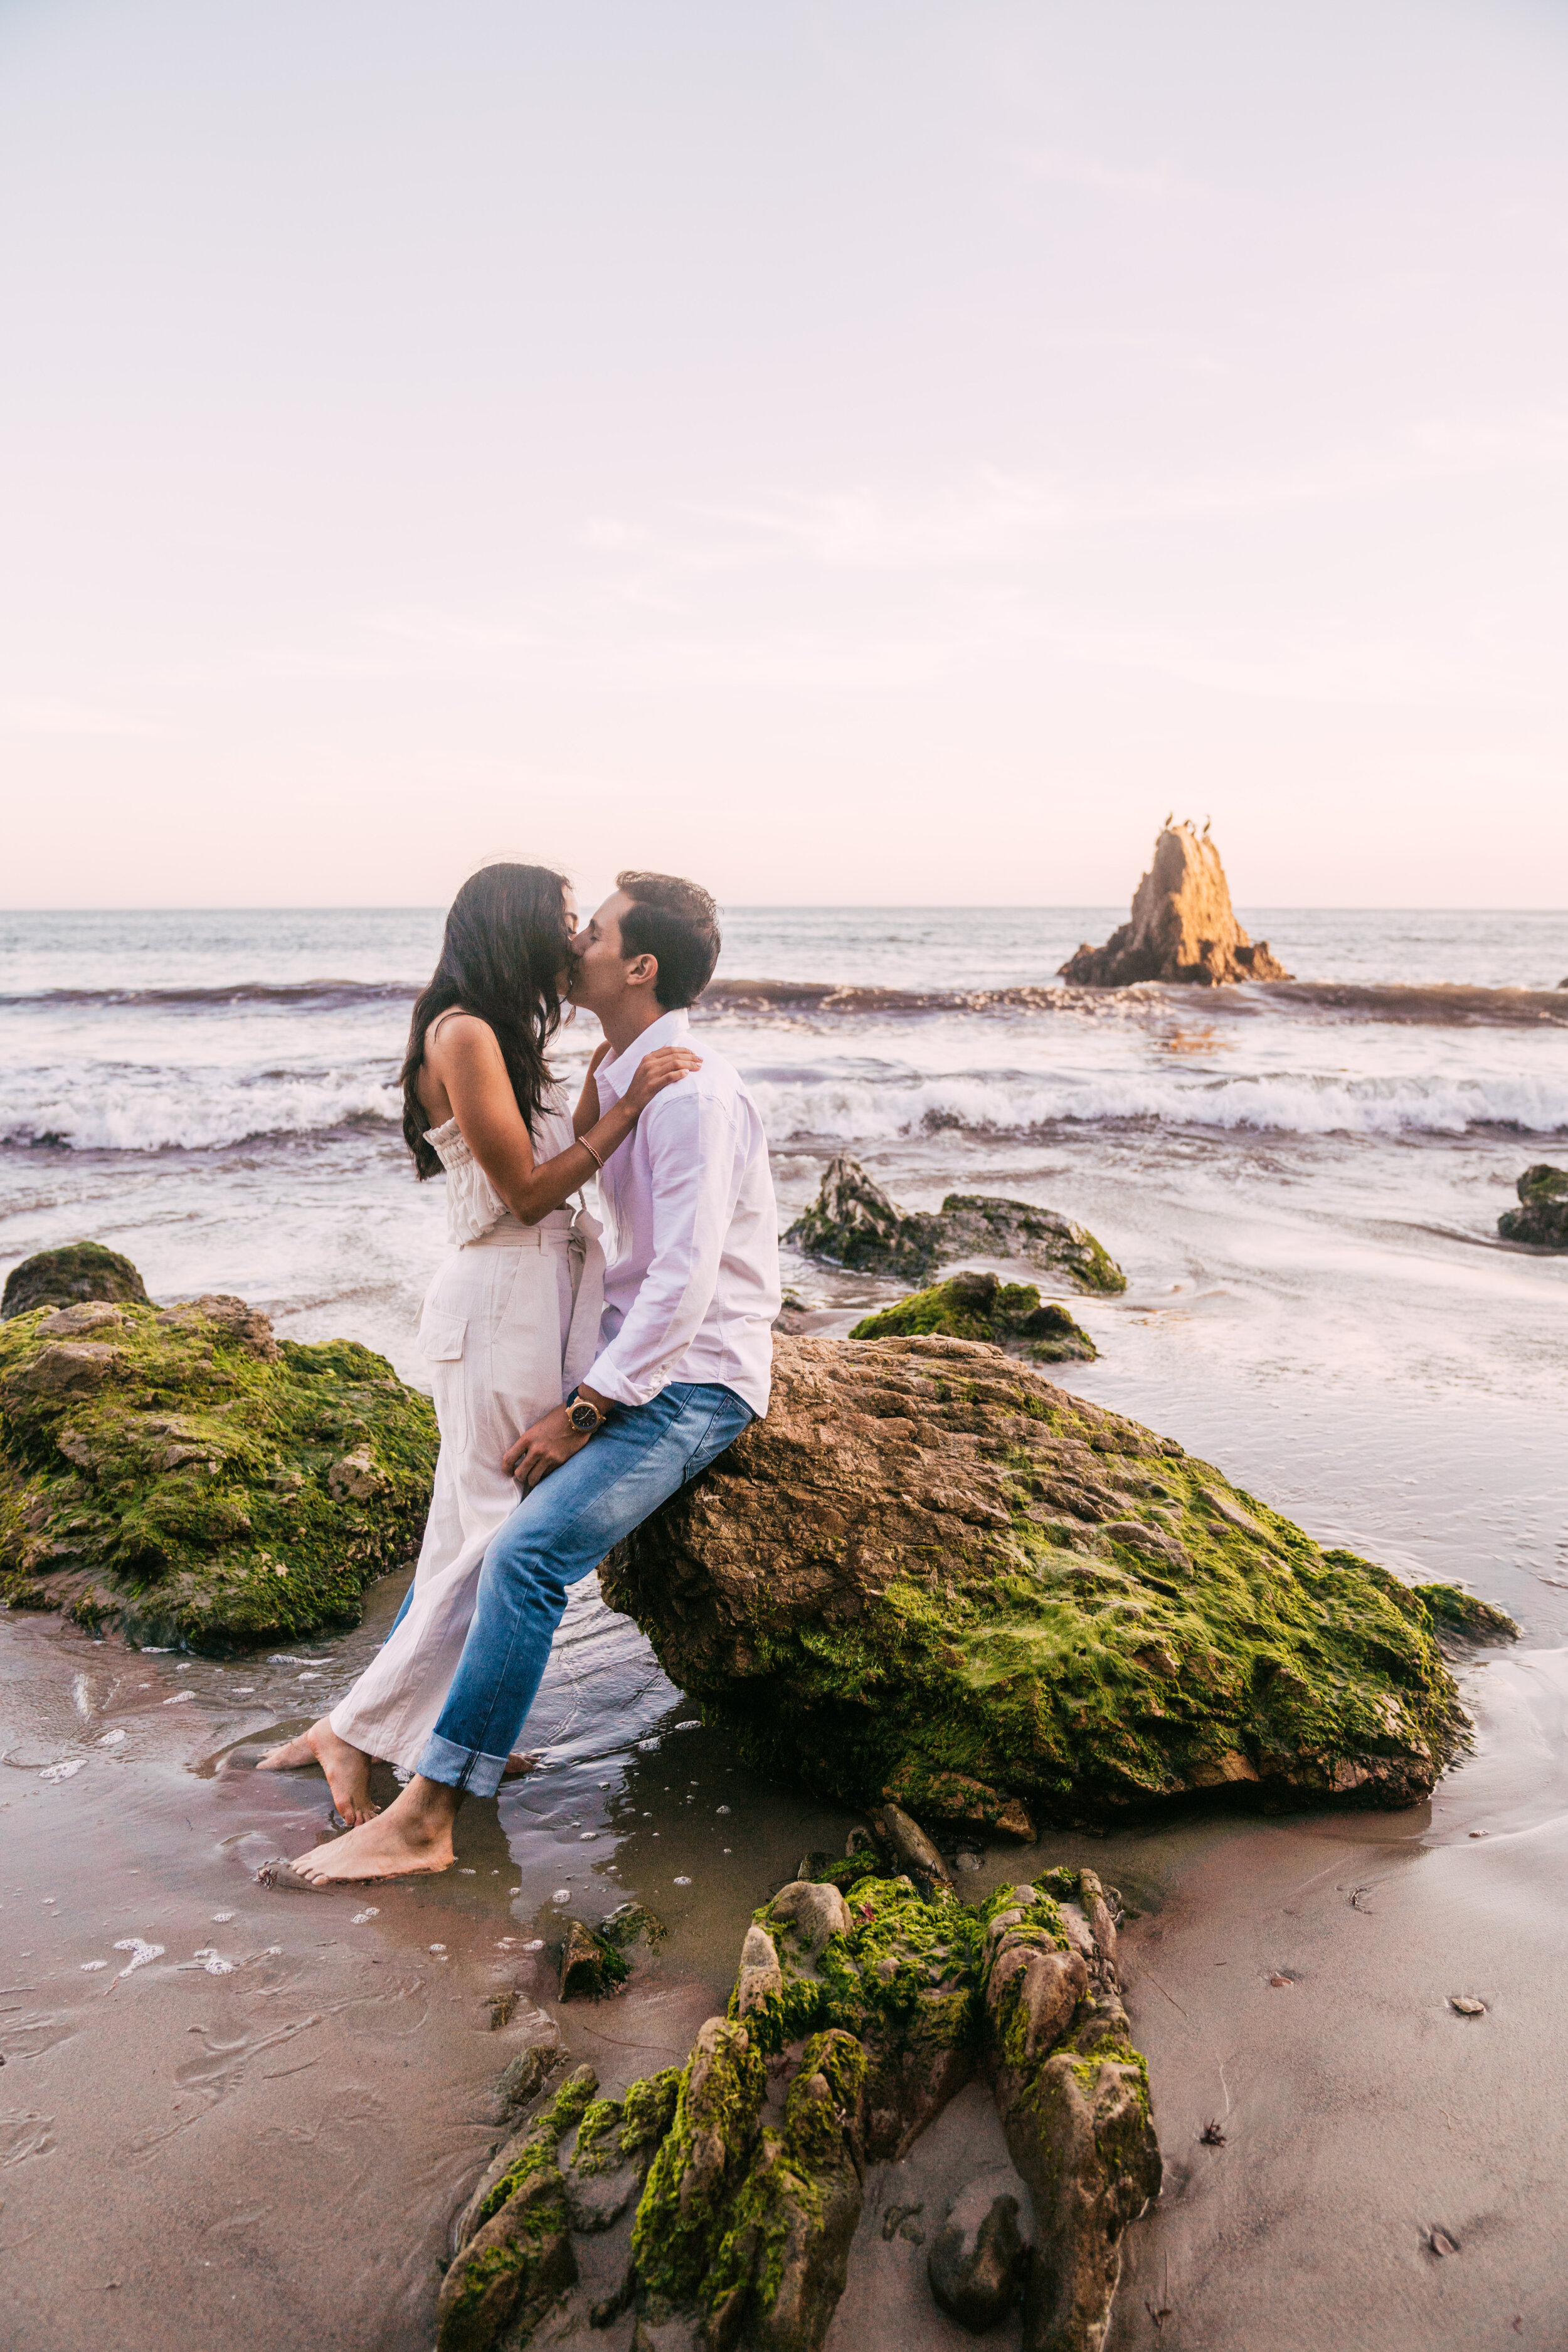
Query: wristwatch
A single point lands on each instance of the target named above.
(585, 1418)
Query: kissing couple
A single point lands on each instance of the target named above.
(576, 1387)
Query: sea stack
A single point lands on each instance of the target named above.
(1183, 926)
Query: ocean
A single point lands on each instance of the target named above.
(1302, 1183)
(214, 1093)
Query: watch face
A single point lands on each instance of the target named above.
(583, 1418)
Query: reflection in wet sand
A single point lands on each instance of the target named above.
(273, 2153)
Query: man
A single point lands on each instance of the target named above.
(684, 1363)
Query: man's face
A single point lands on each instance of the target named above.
(601, 975)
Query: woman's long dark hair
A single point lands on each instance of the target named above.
(506, 944)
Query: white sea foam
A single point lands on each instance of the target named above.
(96, 1106)
(141, 1952)
(1301, 1103)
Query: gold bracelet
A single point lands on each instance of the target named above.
(591, 1153)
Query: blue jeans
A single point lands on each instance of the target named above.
(558, 1533)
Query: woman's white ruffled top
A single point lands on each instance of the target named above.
(474, 1207)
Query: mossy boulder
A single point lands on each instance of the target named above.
(67, 1276)
(929, 1569)
(855, 1224)
(981, 1306)
(982, 1224)
(1542, 1217)
(1458, 1612)
(856, 2015)
(180, 1470)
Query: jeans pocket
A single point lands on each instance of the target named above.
(727, 1420)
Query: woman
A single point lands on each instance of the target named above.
(511, 1323)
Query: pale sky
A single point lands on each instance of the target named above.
(865, 450)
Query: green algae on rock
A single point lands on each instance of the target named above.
(853, 1221)
(1458, 1612)
(519, 2256)
(1542, 1217)
(928, 1569)
(980, 1307)
(590, 1964)
(68, 1275)
(856, 2018)
(178, 1470)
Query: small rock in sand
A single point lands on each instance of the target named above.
(1467, 2004)
(979, 2262)
(590, 1964)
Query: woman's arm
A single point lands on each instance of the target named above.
(587, 1110)
(466, 1060)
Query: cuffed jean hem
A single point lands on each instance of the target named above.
(460, 1768)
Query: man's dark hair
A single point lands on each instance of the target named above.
(676, 921)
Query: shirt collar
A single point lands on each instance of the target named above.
(667, 1030)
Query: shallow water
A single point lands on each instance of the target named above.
(260, 2131)
(1304, 1197)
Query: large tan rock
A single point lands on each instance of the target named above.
(930, 1576)
(1183, 926)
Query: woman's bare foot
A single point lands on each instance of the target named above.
(414, 1833)
(347, 1768)
(520, 1761)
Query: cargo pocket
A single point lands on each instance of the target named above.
(441, 1337)
(441, 1343)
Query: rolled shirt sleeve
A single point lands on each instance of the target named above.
(691, 1145)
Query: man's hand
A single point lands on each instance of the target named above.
(548, 1444)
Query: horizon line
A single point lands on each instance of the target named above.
(806, 906)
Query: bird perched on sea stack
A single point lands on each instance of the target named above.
(1183, 926)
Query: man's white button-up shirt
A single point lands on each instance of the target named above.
(691, 1285)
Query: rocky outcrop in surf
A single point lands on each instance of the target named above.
(979, 1306)
(68, 1275)
(929, 1573)
(182, 1471)
(853, 1223)
(1183, 926)
(1542, 1216)
(724, 2204)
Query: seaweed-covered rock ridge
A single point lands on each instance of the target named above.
(716, 2207)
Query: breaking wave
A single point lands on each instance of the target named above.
(206, 1110)
(866, 1110)
(91, 1111)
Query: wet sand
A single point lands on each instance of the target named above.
(272, 2155)
(1362, 2114)
(274, 2152)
